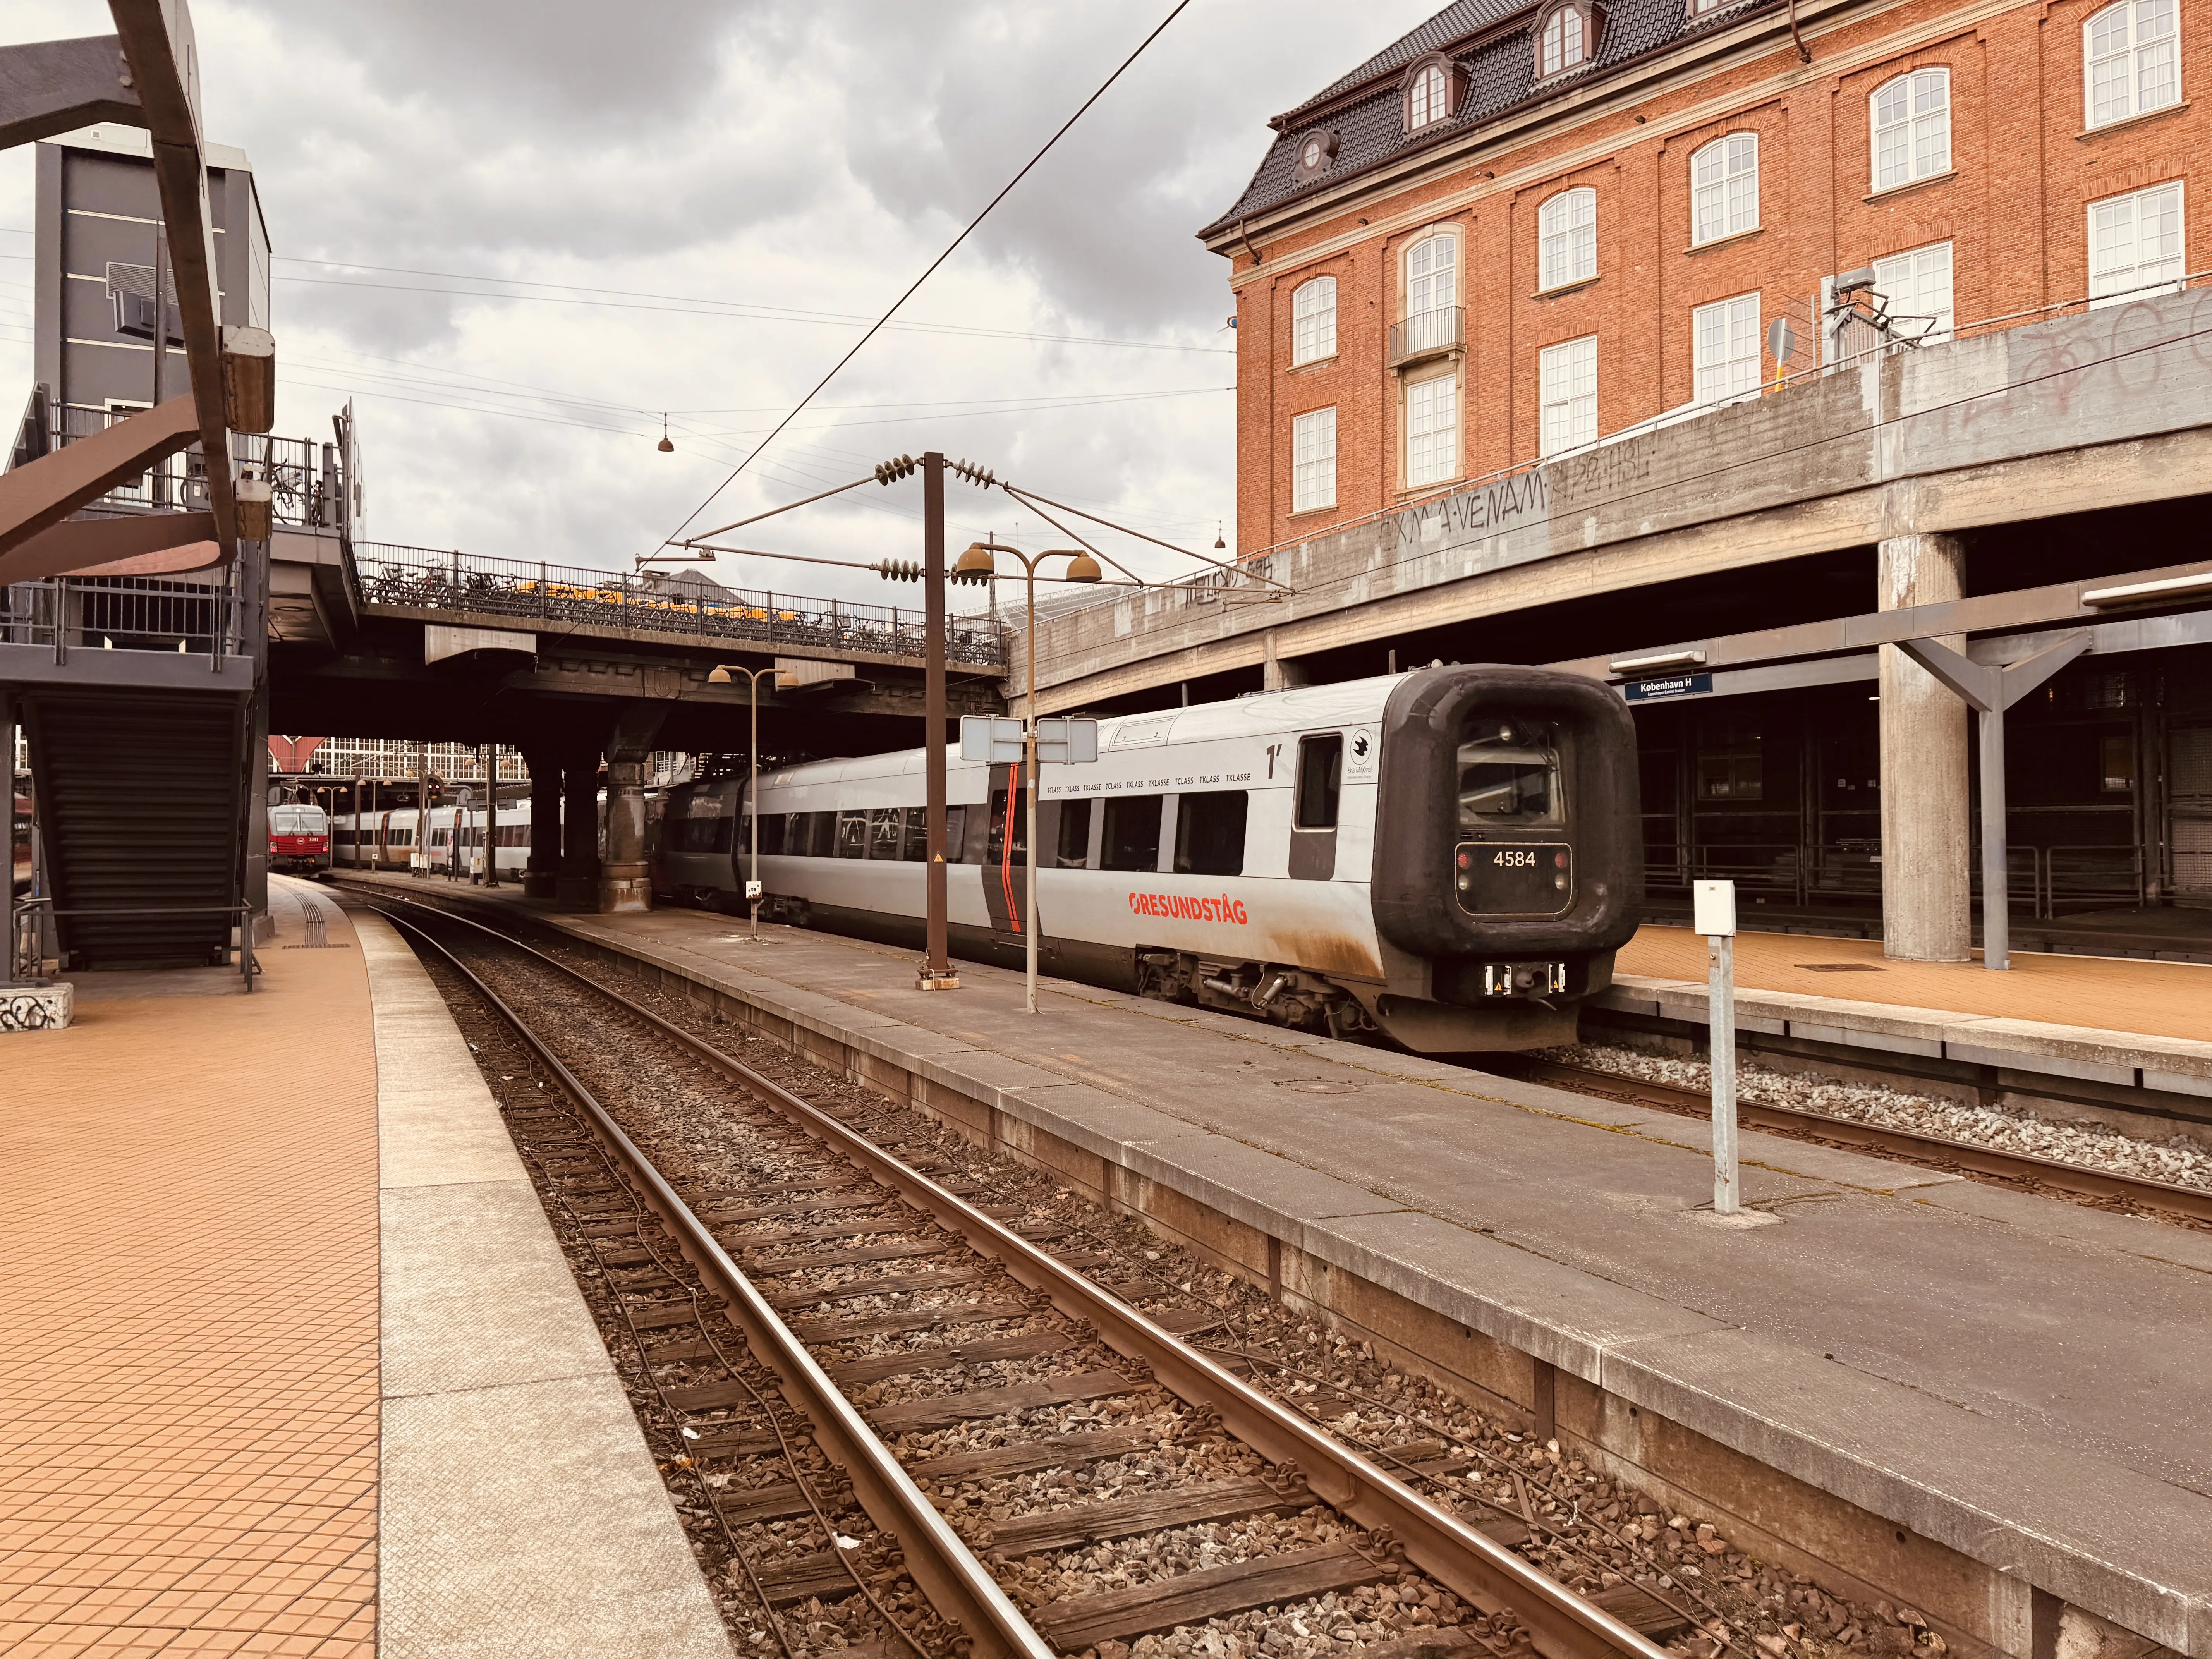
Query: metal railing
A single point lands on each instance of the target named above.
(2043, 881)
(194, 617)
(1425, 334)
(427, 579)
(26, 931)
(303, 476)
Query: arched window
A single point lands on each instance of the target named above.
(1432, 276)
(1566, 239)
(1567, 38)
(1724, 188)
(1911, 128)
(1425, 98)
(2131, 57)
(1312, 321)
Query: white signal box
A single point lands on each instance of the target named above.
(1713, 908)
(997, 739)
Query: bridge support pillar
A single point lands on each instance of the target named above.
(541, 879)
(1927, 836)
(579, 884)
(625, 881)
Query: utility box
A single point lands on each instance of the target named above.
(1713, 908)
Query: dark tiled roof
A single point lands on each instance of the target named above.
(1501, 74)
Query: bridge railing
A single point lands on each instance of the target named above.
(428, 579)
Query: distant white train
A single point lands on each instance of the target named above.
(1449, 858)
(451, 840)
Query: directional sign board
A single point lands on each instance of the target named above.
(997, 739)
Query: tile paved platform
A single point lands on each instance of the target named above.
(188, 1319)
(290, 1360)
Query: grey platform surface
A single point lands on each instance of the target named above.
(522, 1513)
(2026, 1379)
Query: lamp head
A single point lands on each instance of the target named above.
(977, 561)
(1082, 568)
(718, 676)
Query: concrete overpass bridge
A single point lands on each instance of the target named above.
(1753, 579)
(372, 640)
(2066, 447)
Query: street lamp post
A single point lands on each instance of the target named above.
(981, 559)
(726, 675)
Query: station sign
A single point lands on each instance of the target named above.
(1674, 685)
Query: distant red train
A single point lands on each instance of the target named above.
(299, 838)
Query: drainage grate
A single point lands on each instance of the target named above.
(1839, 967)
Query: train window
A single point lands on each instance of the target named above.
(886, 832)
(821, 835)
(1073, 851)
(1509, 773)
(1133, 834)
(1210, 834)
(1321, 777)
(852, 835)
(956, 834)
(771, 833)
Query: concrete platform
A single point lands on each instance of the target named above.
(1992, 1395)
(2120, 1022)
(290, 1361)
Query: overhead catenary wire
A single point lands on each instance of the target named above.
(877, 326)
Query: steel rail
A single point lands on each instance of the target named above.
(957, 1583)
(2082, 1179)
(1473, 1565)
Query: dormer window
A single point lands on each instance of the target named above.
(1315, 151)
(1566, 40)
(1433, 87)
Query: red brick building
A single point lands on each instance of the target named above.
(1524, 227)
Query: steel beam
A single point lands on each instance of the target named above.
(35, 498)
(1989, 689)
(48, 87)
(157, 40)
(144, 544)
(2022, 607)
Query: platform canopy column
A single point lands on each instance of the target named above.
(626, 881)
(1926, 837)
(541, 878)
(579, 882)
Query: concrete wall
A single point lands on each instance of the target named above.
(2097, 409)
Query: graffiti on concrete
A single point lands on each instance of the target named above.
(34, 1010)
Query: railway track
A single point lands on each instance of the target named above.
(1939, 1151)
(847, 1343)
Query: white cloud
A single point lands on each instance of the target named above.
(801, 157)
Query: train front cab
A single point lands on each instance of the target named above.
(1508, 864)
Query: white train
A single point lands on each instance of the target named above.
(451, 841)
(1447, 858)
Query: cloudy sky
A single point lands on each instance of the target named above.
(708, 201)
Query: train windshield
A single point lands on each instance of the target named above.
(1509, 773)
(298, 821)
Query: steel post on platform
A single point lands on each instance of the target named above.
(937, 973)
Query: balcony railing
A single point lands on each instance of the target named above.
(426, 579)
(171, 615)
(1427, 334)
(304, 476)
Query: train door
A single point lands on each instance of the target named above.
(2189, 812)
(1006, 860)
